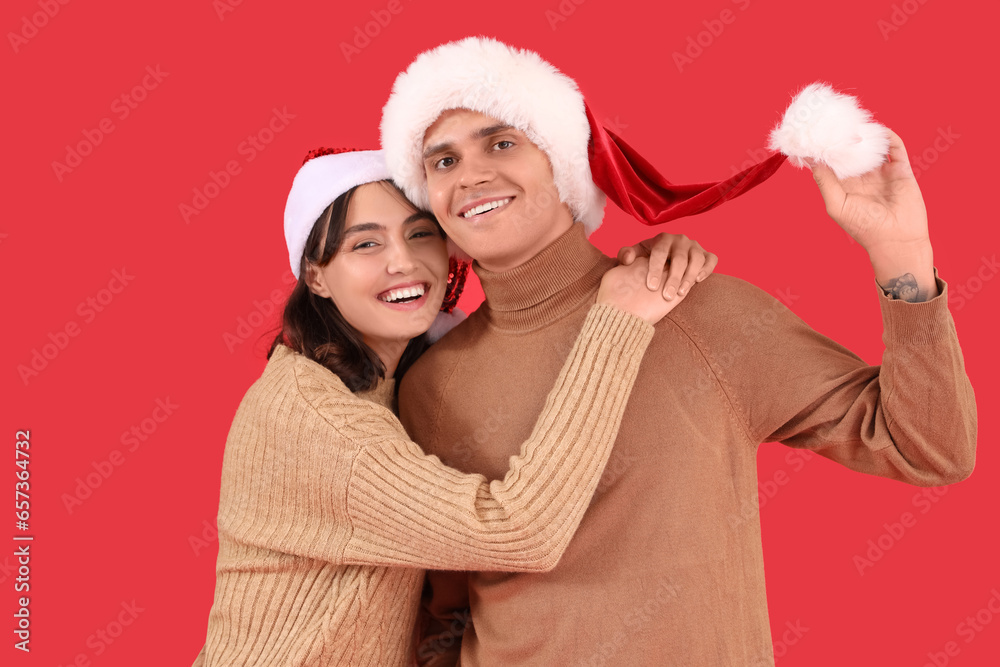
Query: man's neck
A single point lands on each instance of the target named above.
(557, 228)
(551, 283)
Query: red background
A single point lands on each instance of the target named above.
(227, 68)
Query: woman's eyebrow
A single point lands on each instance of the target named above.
(377, 227)
(419, 215)
(363, 227)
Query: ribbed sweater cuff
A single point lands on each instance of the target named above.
(629, 332)
(905, 323)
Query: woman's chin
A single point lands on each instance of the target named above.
(404, 325)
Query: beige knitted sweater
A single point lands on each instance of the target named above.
(328, 511)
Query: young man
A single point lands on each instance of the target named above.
(665, 567)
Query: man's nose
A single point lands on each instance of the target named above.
(475, 170)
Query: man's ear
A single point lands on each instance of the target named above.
(315, 281)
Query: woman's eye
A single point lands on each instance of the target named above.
(444, 163)
(365, 245)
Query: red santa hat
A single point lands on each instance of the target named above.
(325, 175)
(588, 162)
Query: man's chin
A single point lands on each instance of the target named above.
(498, 261)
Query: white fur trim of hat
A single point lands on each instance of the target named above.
(515, 86)
(518, 87)
(317, 185)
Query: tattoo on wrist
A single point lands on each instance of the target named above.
(903, 288)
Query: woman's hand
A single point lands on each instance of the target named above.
(624, 287)
(684, 260)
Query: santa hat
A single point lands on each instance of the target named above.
(588, 162)
(325, 175)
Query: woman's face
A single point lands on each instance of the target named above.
(389, 275)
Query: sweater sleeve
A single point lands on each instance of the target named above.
(407, 508)
(911, 419)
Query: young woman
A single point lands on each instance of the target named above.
(328, 513)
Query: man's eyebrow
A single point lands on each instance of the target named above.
(481, 133)
(492, 129)
(437, 148)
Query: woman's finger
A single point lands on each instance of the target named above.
(678, 264)
(658, 258)
(696, 262)
(711, 261)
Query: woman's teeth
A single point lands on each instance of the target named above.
(399, 294)
(482, 208)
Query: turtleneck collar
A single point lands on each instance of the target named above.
(547, 286)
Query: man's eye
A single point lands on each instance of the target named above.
(503, 145)
(444, 163)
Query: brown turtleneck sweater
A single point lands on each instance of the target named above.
(664, 568)
(328, 510)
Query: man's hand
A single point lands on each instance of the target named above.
(884, 211)
(685, 261)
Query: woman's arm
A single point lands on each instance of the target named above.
(313, 471)
(407, 508)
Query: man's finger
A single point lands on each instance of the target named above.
(829, 187)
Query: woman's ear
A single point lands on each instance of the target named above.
(315, 281)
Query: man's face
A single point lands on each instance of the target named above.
(491, 189)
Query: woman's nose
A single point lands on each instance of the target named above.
(401, 259)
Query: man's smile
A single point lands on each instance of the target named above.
(483, 206)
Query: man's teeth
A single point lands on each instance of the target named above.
(405, 293)
(482, 208)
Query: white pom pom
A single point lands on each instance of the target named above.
(831, 128)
